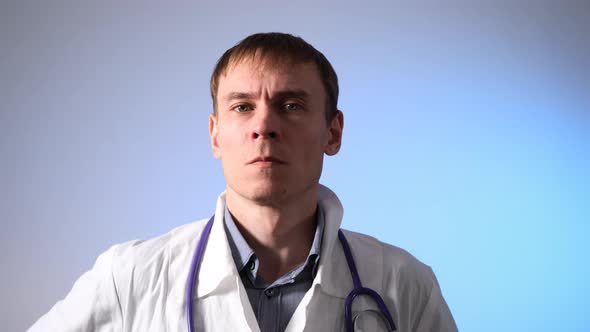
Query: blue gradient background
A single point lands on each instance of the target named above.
(466, 142)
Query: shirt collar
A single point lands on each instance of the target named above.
(242, 253)
(218, 272)
(240, 250)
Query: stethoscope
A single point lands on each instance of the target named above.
(358, 286)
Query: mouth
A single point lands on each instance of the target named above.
(266, 161)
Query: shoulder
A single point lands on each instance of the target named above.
(140, 251)
(152, 253)
(138, 266)
(408, 285)
(119, 279)
(400, 269)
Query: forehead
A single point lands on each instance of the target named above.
(250, 76)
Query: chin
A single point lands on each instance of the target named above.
(268, 195)
(273, 193)
(262, 192)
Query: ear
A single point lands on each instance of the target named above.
(213, 134)
(335, 138)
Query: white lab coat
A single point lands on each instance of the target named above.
(140, 286)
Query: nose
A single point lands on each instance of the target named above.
(266, 123)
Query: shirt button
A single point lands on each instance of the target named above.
(269, 292)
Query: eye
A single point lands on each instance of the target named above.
(291, 107)
(241, 108)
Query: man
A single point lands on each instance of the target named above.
(273, 260)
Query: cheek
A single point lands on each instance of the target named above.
(231, 144)
(313, 145)
(231, 134)
(316, 140)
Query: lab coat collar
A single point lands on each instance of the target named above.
(334, 277)
(218, 272)
(331, 267)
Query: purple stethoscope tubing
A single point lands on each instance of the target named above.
(359, 289)
(192, 278)
(358, 286)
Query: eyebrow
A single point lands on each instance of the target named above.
(238, 95)
(302, 94)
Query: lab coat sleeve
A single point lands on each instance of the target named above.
(436, 315)
(91, 305)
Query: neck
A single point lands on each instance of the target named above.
(280, 234)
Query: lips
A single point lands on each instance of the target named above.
(266, 160)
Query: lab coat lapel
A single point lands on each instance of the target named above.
(333, 281)
(217, 269)
(218, 274)
(331, 267)
(334, 277)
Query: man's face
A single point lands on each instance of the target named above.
(270, 131)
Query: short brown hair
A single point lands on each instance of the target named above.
(277, 49)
